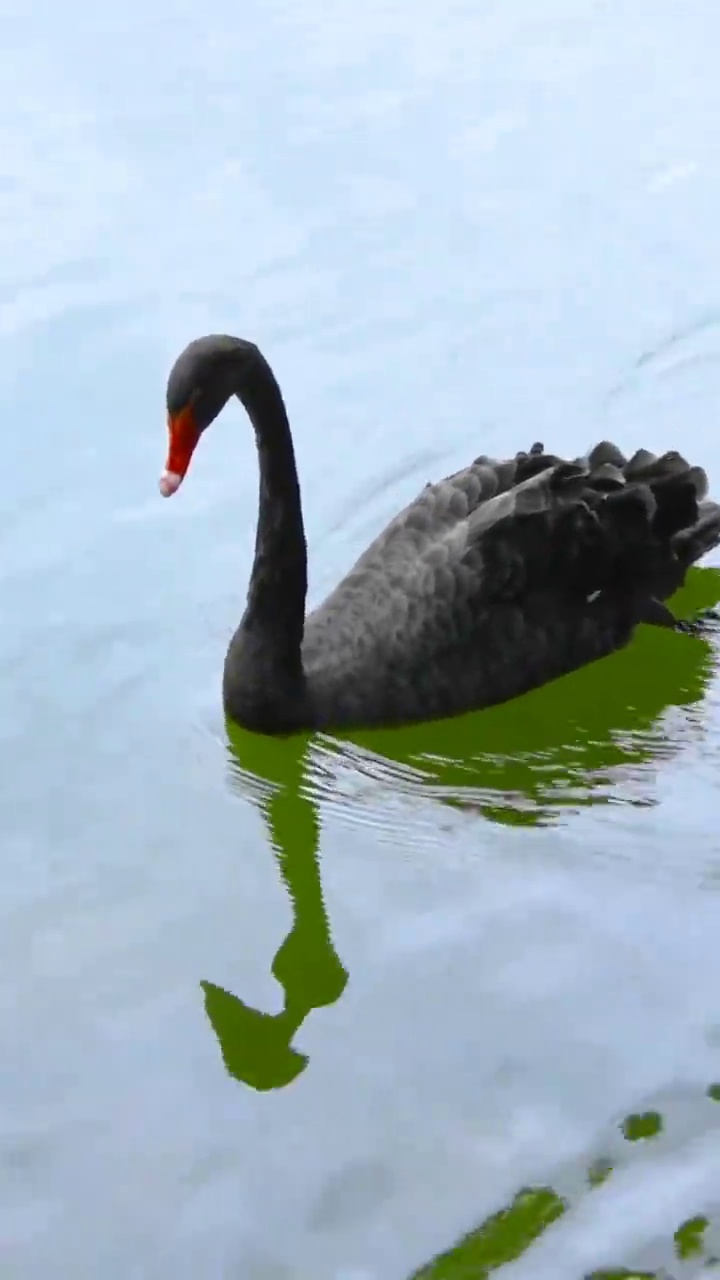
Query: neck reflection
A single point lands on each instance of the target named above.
(257, 1047)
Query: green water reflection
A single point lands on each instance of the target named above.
(506, 1235)
(257, 1047)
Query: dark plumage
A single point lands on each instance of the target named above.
(495, 580)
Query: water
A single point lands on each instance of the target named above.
(340, 1008)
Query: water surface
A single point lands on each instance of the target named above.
(397, 1004)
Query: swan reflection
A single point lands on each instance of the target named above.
(567, 745)
(257, 1047)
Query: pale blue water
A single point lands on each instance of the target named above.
(452, 229)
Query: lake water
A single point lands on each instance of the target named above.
(440, 1002)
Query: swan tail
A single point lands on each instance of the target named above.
(656, 523)
(603, 525)
(701, 536)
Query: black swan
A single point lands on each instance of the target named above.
(493, 581)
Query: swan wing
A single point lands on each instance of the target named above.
(506, 574)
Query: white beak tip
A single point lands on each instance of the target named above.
(169, 483)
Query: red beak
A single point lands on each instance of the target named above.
(183, 434)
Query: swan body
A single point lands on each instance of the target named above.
(494, 580)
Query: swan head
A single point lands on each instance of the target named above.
(203, 378)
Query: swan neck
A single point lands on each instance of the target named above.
(278, 582)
